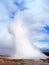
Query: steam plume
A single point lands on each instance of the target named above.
(23, 47)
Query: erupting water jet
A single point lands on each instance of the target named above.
(24, 49)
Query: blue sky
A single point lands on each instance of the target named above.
(36, 19)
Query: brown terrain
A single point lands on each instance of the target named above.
(5, 61)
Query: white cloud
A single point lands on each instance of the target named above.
(5, 38)
(42, 45)
(6, 43)
(37, 13)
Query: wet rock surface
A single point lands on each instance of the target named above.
(6, 61)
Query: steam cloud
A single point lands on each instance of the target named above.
(23, 47)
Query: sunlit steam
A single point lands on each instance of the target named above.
(23, 47)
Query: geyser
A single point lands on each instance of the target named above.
(23, 47)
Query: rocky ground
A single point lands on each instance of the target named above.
(5, 61)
